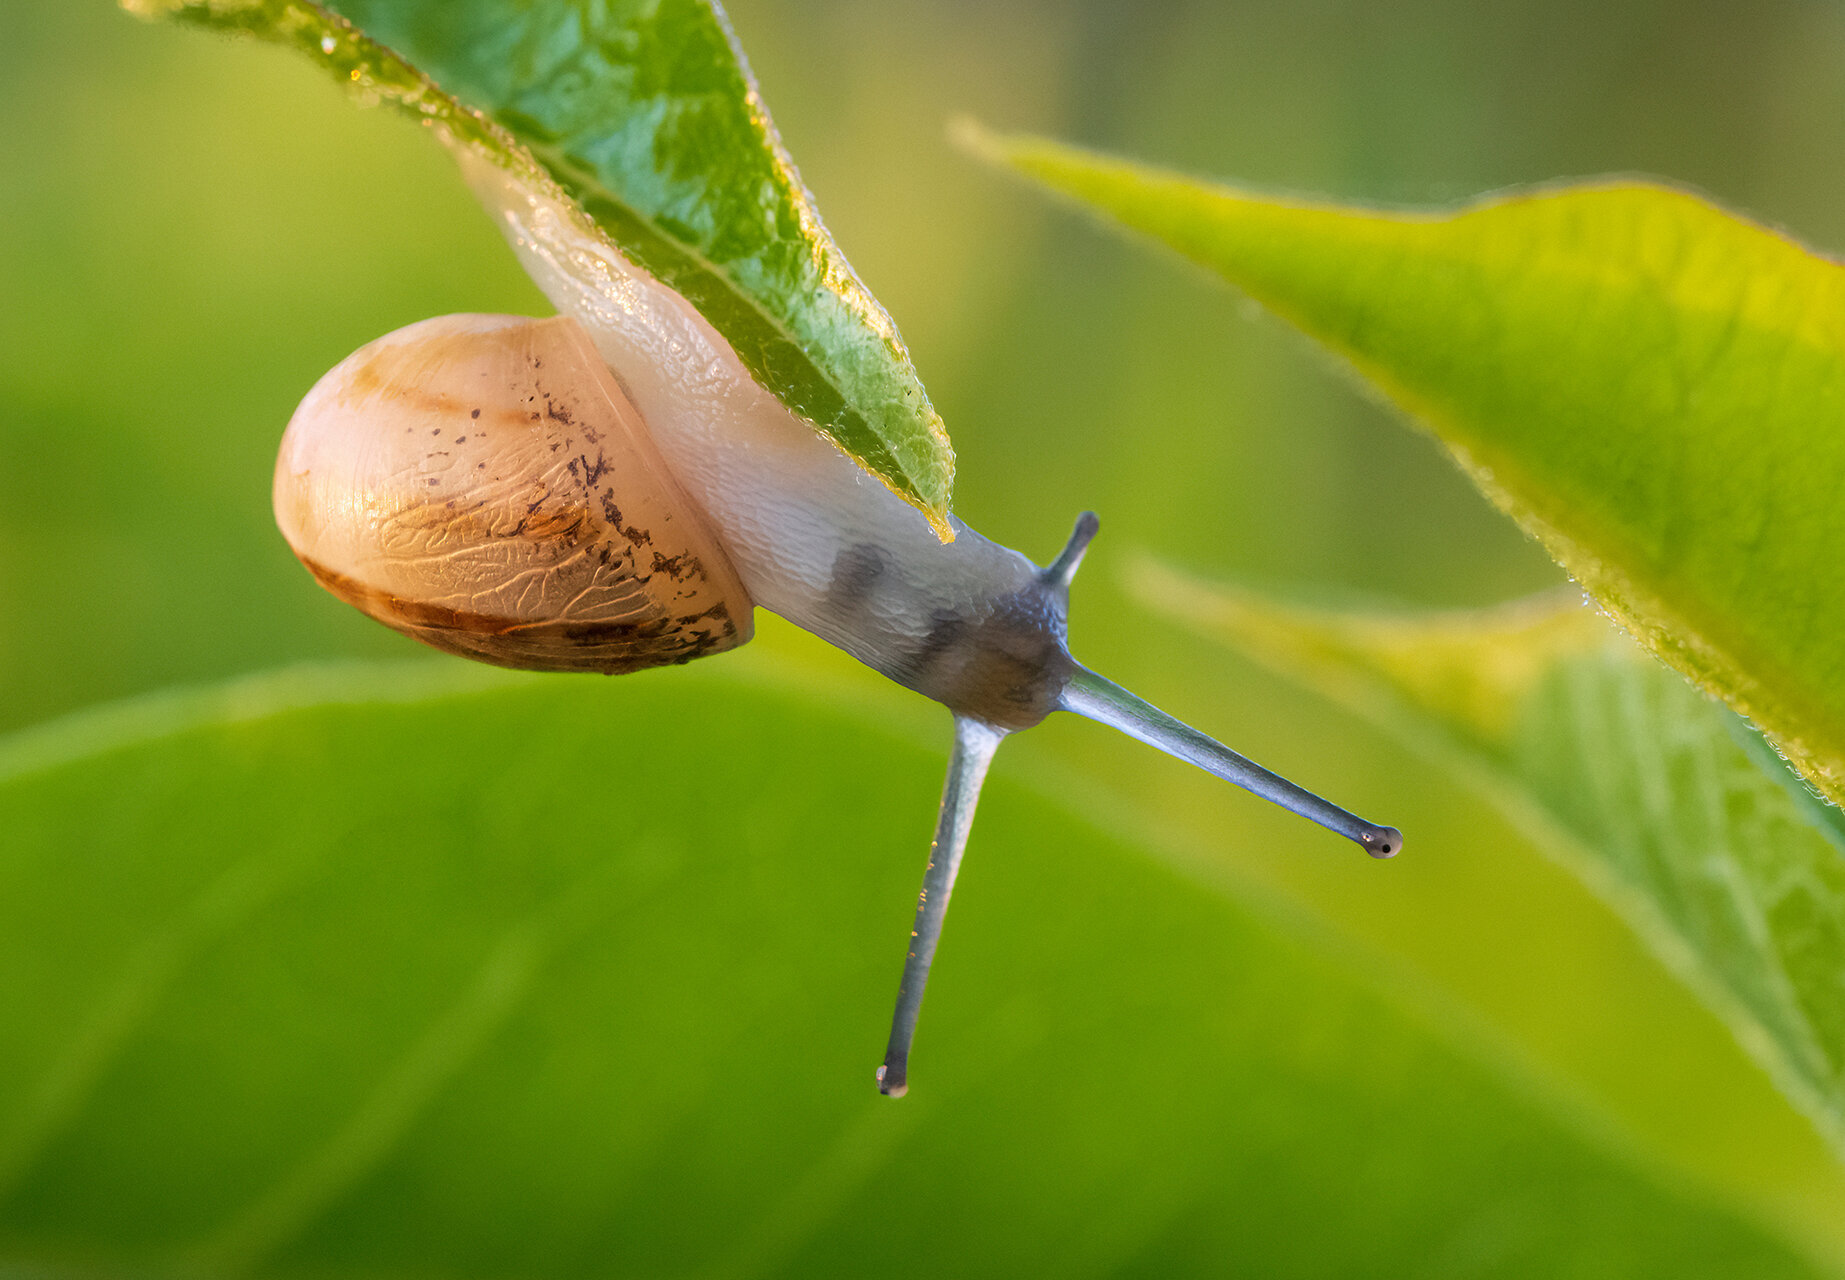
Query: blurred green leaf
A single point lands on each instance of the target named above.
(584, 977)
(1664, 801)
(1651, 385)
(643, 114)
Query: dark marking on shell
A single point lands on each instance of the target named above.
(609, 647)
(718, 612)
(679, 567)
(594, 471)
(612, 514)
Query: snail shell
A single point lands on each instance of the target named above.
(563, 529)
(483, 484)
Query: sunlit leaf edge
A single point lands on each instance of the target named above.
(1703, 648)
(909, 454)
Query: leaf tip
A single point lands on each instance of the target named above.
(1022, 153)
(973, 138)
(934, 510)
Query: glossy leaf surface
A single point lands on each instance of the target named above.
(406, 971)
(644, 115)
(1653, 386)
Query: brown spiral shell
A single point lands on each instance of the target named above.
(485, 485)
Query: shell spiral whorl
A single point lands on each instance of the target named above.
(483, 484)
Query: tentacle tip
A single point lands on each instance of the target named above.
(1382, 842)
(893, 1080)
(1061, 570)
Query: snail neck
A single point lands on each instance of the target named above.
(970, 624)
(1004, 662)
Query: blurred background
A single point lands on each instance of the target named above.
(192, 231)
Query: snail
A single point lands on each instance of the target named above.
(609, 489)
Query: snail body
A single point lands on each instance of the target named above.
(512, 506)
(610, 489)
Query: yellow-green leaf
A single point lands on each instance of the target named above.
(1652, 385)
(1662, 799)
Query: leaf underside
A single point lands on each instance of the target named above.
(643, 116)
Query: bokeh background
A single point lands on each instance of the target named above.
(191, 231)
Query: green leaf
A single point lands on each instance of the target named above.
(1651, 385)
(407, 972)
(643, 117)
(1663, 800)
